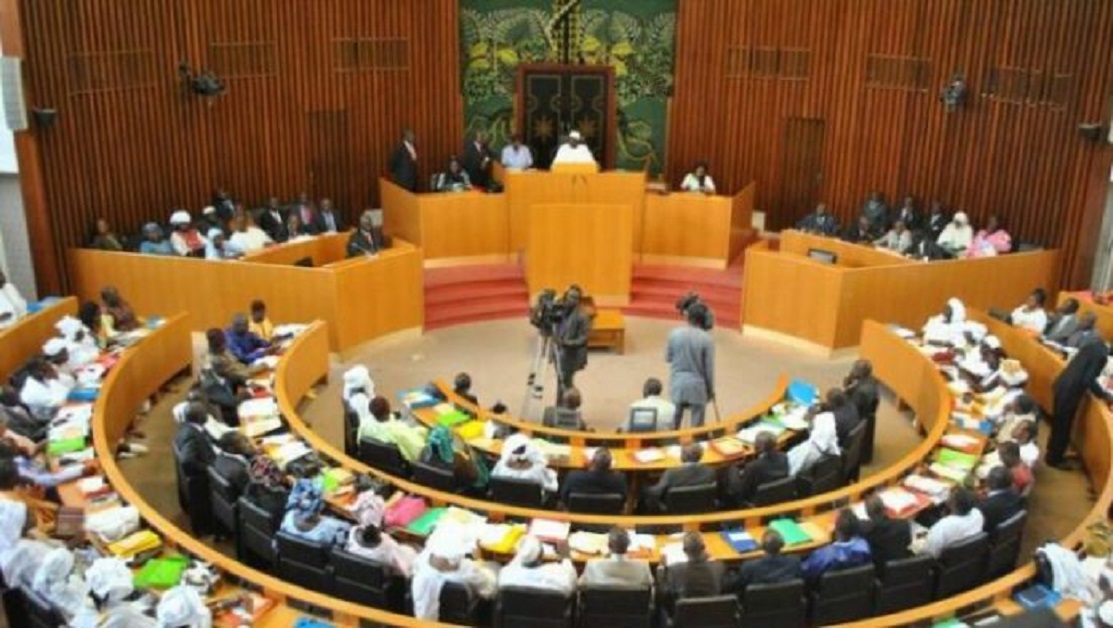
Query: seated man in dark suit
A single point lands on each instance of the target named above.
(820, 222)
(771, 464)
(846, 414)
(272, 220)
(888, 538)
(233, 461)
(698, 577)
(566, 415)
(689, 473)
(860, 386)
(1001, 502)
(403, 162)
(772, 568)
(364, 241)
(861, 232)
(192, 442)
(597, 479)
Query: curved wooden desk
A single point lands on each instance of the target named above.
(1097, 442)
(140, 372)
(306, 362)
(25, 339)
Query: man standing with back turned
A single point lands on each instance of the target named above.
(691, 356)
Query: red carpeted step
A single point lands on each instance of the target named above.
(472, 293)
(729, 278)
(467, 291)
(436, 277)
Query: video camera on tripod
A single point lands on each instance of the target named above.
(548, 312)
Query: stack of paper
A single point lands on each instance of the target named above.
(501, 538)
(749, 434)
(794, 419)
(550, 531)
(553, 451)
(728, 446)
(898, 500)
(956, 459)
(418, 399)
(269, 362)
(673, 554)
(961, 442)
(641, 543)
(590, 543)
(648, 456)
(91, 484)
(950, 473)
(257, 409)
(285, 454)
(216, 429)
(256, 428)
(928, 486)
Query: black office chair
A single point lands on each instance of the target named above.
(40, 613)
(304, 563)
(180, 478)
(1004, 545)
(822, 477)
(527, 606)
(222, 499)
(690, 500)
(870, 419)
(516, 492)
(596, 504)
(193, 490)
(383, 457)
(434, 477)
(257, 530)
(962, 567)
(844, 595)
(616, 607)
(351, 432)
(364, 581)
(720, 611)
(903, 584)
(852, 456)
(774, 605)
(458, 605)
(643, 420)
(775, 492)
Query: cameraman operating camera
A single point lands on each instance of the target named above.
(570, 336)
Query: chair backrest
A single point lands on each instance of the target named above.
(780, 604)
(40, 612)
(351, 431)
(852, 457)
(434, 477)
(643, 420)
(600, 504)
(962, 566)
(904, 583)
(527, 606)
(616, 606)
(256, 531)
(822, 477)
(707, 612)
(302, 551)
(1004, 545)
(844, 595)
(349, 566)
(775, 492)
(516, 492)
(687, 500)
(223, 499)
(458, 605)
(383, 456)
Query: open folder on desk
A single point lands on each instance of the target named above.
(790, 531)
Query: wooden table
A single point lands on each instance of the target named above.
(608, 331)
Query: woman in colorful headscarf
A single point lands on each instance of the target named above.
(522, 459)
(303, 518)
(445, 450)
(185, 239)
(154, 243)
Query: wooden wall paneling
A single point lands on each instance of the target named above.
(873, 72)
(317, 93)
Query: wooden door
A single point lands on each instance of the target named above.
(329, 165)
(555, 99)
(801, 172)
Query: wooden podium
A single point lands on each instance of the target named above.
(587, 244)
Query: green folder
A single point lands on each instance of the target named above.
(790, 531)
(65, 446)
(957, 459)
(452, 419)
(423, 525)
(161, 573)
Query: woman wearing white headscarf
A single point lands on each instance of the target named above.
(12, 304)
(183, 606)
(957, 235)
(949, 326)
(823, 440)
(54, 584)
(357, 380)
(444, 560)
(522, 459)
(81, 344)
(528, 570)
(185, 240)
(218, 248)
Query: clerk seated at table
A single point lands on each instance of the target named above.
(698, 180)
(876, 210)
(848, 549)
(691, 472)
(565, 416)
(12, 304)
(522, 459)
(574, 151)
(820, 222)
(651, 401)
(454, 179)
(617, 570)
(898, 239)
(888, 538)
(963, 523)
(770, 465)
(772, 568)
(517, 156)
(861, 232)
(366, 240)
(1062, 322)
(597, 479)
(246, 346)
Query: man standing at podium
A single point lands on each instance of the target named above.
(574, 152)
(403, 162)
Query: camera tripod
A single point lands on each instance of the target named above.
(547, 353)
